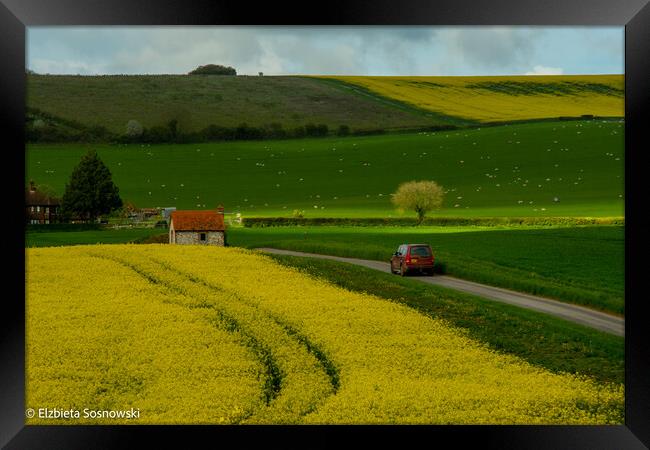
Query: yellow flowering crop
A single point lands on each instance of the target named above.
(100, 336)
(194, 334)
(503, 98)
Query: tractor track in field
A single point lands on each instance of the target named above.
(328, 366)
(272, 371)
(601, 321)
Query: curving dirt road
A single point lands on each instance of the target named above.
(573, 313)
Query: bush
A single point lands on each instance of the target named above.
(94, 133)
(310, 129)
(316, 130)
(157, 134)
(276, 131)
(134, 128)
(368, 132)
(299, 132)
(213, 69)
(172, 126)
(172, 133)
(214, 132)
(343, 130)
(243, 131)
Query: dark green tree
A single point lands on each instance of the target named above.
(344, 130)
(91, 192)
(213, 69)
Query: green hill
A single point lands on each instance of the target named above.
(98, 108)
(199, 101)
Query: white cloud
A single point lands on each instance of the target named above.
(495, 46)
(542, 70)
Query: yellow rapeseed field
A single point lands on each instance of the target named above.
(503, 98)
(194, 334)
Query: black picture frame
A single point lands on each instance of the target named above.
(15, 15)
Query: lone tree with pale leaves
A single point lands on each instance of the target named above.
(134, 128)
(419, 196)
(91, 191)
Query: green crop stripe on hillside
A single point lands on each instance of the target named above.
(197, 102)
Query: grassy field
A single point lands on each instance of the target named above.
(499, 98)
(540, 339)
(199, 101)
(580, 264)
(215, 335)
(101, 236)
(514, 170)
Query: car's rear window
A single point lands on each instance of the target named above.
(420, 251)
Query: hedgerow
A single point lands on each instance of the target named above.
(253, 222)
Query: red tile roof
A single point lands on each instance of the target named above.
(38, 198)
(197, 221)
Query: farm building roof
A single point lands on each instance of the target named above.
(197, 221)
(38, 198)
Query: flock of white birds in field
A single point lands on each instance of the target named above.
(492, 174)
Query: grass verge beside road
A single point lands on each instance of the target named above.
(582, 265)
(542, 340)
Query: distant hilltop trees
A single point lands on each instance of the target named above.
(213, 69)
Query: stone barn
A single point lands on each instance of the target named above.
(197, 227)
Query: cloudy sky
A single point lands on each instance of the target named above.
(375, 50)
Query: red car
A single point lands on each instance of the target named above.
(411, 258)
